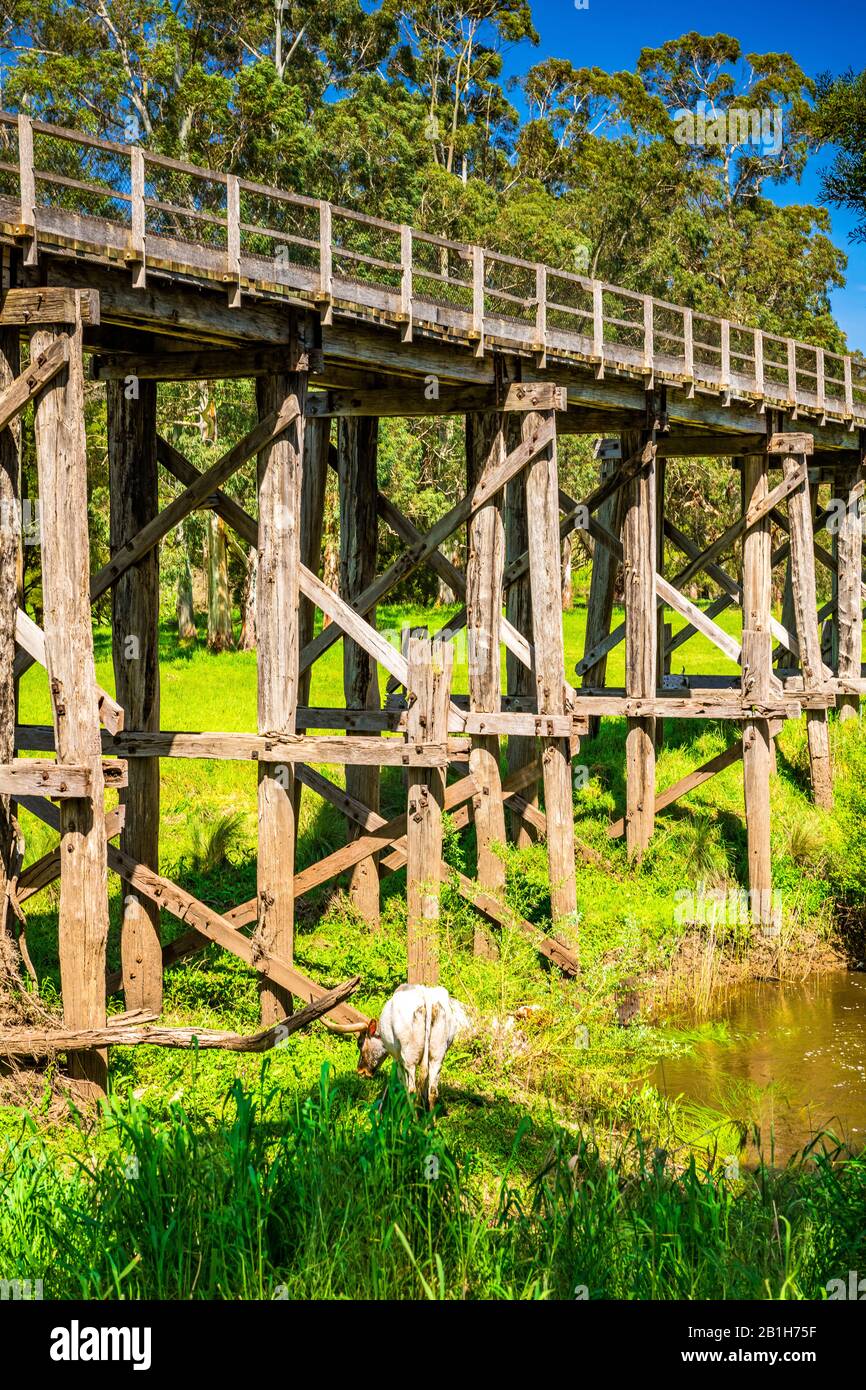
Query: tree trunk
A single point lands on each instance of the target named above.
(247, 641)
(186, 629)
(220, 637)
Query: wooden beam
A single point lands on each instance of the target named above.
(43, 367)
(41, 777)
(520, 680)
(599, 609)
(542, 506)
(9, 580)
(485, 563)
(640, 585)
(61, 458)
(47, 868)
(756, 664)
(129, 1031)
(38, 304)
(134, 501)
(850, 608)
(280, 465)
(31, 641)
(402, 401)
(357, 452)
(805, 600)
(430, 667)
(290, 748)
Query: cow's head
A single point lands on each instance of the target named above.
(371, 1050)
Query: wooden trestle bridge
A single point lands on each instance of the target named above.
(160, 271)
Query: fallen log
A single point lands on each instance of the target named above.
(36, 1042)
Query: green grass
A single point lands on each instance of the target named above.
(238, 1173)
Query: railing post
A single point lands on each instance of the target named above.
(478, 299)
(648, 344)
(689, 349)
(726, 355)
(233, 240)
(27, 184)
(849, 388)
(820, 380)
(406, 282)
(138, 221)
(325, 263)
(541, 314)
(759, 362)
(792, 372)
(598, 328)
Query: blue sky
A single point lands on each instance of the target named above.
(821, 36)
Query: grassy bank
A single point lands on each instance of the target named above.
(232, 1173)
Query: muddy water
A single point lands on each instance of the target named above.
(795, 1062)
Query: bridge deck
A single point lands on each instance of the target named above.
(113, 205)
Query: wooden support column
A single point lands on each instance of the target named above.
(134, 501)
(599, 609)
(641, 631)
(757, 655)
(356, 467)
(519, 679)
(809, 638)
(317, 437)
(661, 627)
(542, 505)
(485, 448)
(280, 466)
(430, 669)
(61, 457)
(849, 552)
(10, 541)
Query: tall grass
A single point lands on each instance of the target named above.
(306, 1200)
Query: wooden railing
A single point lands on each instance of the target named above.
(61, 187)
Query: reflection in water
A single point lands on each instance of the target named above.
(796, 1062)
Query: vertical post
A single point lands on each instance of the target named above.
(598, 327)
(542, 505)
(759, 362)
(138, 218)
(27, 188)
(541, 313)
(849, 554)
(280, 466)
(61, 458)
(808, 637)
(233, 240)
(406, 282)
(641, 636)
(485, 448)
(317, 438)
(134, 501)
(599, 608)
(518, 610)
(430, 667)
(357, 444)
(757, 595)
(9, 544)
(478, 299)
(661, 625)
(726, 355)
(689, 345)
(325, 262)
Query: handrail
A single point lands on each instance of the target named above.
(337, 256)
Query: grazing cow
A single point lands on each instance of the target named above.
(416, 1027)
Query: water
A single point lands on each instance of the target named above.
(795, 1062)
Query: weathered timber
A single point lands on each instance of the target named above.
(430, 666)
(639, 585)
(134, 501)
(455, 400)
(47, 868)
(36, 1042)
(63, 781)
(850, 608)
(485, 562)
(291, 748)
(756, 675)
(280, 465)
(520, 681)
(9, 552)
(357, 451)
(30, 306)
(315, 475)
(61, 458)
(805, 602)
(43, 366)
(542, 506)
(599, 610)
(31, 640)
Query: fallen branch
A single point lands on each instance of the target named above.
(31, 1042)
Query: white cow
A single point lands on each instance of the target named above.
(416, 1027)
